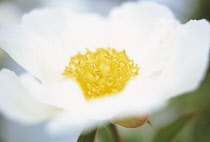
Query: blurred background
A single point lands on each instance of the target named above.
(196, 130)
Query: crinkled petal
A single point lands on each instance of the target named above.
(45, 25)
(47, 38)
(188, 65)
(140, 9)
(16, 132)
(18, 104)
(88, 113)
(69, 121)
(140, 28)
(71, 32)
(64, 94)
(31, 51)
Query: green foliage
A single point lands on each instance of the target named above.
(205, 10)
(87, 136)
(202, 127)
(169, 132)
(107, 133)
(104, 134)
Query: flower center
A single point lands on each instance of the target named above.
(101, 73)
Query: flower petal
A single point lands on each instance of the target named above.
(16, 132)
(66, 29)
(68, 121)
(88, 113)
(64, 94)
(142, 28)
(130, 10)
(31, 52)
(43, 43)
(17, 103)
(44, 24)
(131, 121)
(188, 65)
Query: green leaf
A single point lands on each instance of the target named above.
(87, 136)
(104, 133)
(169, 132)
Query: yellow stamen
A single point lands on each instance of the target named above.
(101, 73)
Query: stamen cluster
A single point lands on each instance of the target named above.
(101, 73)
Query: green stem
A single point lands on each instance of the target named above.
(115, 133)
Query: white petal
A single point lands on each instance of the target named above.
(141, 9)
(46, 39)
(67, 29)
(134, 99)
(69, 121)
(64, 94)
(142, 93)
(140, 28)
(49, 23)
(136, 93)
(31, 51)
(187, 66)
(18, 104)
(16, 132)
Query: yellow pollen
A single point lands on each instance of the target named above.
(101, 73)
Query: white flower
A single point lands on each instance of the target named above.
(101, 81)
(15, 132)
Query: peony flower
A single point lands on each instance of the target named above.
(89, 68)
